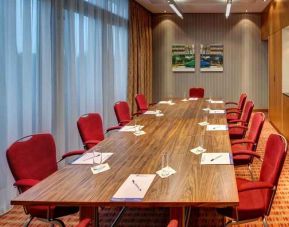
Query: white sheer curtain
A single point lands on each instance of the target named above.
(58, 60)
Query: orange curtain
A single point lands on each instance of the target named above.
(140, 53)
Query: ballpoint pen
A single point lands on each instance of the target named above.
(133, 181)
(213, 159)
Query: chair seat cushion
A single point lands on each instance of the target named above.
(236, 133)
(232, 116)
(251, 204)
(241, 159)
(56, 211)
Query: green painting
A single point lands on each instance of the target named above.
(183, 58)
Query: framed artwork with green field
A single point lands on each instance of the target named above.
(183, 58)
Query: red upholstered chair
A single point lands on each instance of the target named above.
(91, 130)
(197, 92)
(256, 197)
(31, 159)
(234, 113)
(250, 142)
(122, 113)
(173, 223)
(142, 104)
(238, 128)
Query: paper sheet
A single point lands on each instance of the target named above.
(216, 159)
(167, 102)
(198, 150)
(134, 188)
(150, 112)
(193, 99)
(217, 101)
(206, 109)
(139, 133)
(217, 127)
(166, 172)
(100, 168)
(130, 128)
(87, 158)
(184, 100)
(216, 111)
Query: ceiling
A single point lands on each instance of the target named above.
(205, 6)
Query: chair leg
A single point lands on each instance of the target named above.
(119, 215)
(57, 222)
(228, 223)
(265, 223)
(250, 170)
(28, 221)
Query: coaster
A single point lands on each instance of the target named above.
(198, 150)
(100, 168)
(166, 172)
(204, 123)
(139, 133)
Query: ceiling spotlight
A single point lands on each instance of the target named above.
(228, 8)
(174, 7)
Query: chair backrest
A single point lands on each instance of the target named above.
(246, 114)
(242, 101)
(90, 127)
(197, 92)
(141, 103)
(255, 129)
(32, 157)
(274, 158)
(122, 113)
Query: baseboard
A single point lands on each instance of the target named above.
(261, 110)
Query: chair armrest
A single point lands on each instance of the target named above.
(246, 152)
(242, 141)
(72, 153)
(237, 126)
(26, 183)
(173, 223)
(95, 142)
(237, 121)
(84, 223)
(254, 185)
(231, 103)
(113, 128)
(235, 111)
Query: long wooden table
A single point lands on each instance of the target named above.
(175, 133)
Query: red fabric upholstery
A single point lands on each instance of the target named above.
(141, 103)
(241, 104)
(197, 92)
(173, 223)
(253, 135)
(255, 197)
(31, 159)
(238, 133)
(84, 223)
(122, 113)
(72, 153)
(90, 128)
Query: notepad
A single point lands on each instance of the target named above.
(150, 112)
(203, 123)
(134, 188)
(217, 101)
(193, 99)
(130, 128)
(184, 100)
(216, 111)
(198, 150)
(217, 127)
(167, 102)
(216, 159)
(87, 158)
(166, 172)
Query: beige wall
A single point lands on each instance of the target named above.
(245, 56)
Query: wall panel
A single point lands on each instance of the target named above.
(245, 56)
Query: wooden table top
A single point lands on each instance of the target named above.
(175, 133)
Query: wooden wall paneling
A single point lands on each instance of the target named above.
(286, 116)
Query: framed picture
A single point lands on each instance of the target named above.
(183, 58)
(212, 58)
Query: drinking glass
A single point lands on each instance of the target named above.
(165, 164)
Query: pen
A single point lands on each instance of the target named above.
(213, 159)
(136, 185)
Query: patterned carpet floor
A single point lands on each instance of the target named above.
(199, 217)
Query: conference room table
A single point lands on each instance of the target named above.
(174, 134)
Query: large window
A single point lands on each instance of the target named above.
(59, 59)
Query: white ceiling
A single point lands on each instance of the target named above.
(205, 6)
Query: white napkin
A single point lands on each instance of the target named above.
(166, 172)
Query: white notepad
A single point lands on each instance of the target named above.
(217, 101)
(217, 127)
(216, 159)
(134, 188)
(87, 158)
(150, 112)
(193, 99)
(130, 128)
(216, 111)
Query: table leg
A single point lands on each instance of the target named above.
(178, 213)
